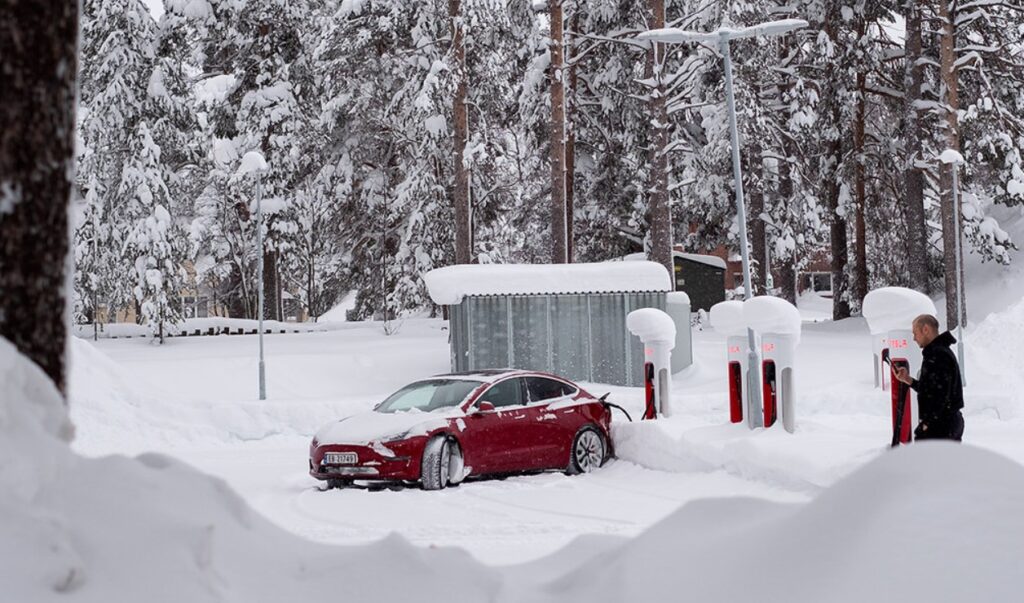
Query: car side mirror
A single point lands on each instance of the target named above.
(484, 406)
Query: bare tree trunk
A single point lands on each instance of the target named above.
(38, 68)
(951, 97)
(786, 267)
(658, 210)
(913, 191)
(463, 250)
(570, 142)
(758, 231)
(839, 243)
(559, 226)
(271, 290)
(860, 255)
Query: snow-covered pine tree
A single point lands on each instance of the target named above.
(505, 170)
(116, 50)
(615, 135)
(152, 242)
(260, 47)
(132, 102)
(980, 85)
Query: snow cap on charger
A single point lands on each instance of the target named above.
(767, 314)
(727, 318)
(895, 308)
(651, 324)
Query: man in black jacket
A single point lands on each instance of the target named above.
(940, 392)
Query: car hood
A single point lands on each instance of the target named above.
(373, 426)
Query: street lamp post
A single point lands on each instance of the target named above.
(253, 162)
(721, 38)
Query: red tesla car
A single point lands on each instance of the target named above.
(441, 430)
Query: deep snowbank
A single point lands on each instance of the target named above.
(153, 529)
(932, 522)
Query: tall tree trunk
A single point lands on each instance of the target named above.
(463, 250)
(658, 210)
(860, 253)
(786, 267)
(760, 264)
(38, 68)
(559, 226)
(913, 190)
(951, 98)
(271, 298)
(837, 234)
(312, 299)
(570, 139)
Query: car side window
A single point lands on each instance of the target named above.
(506, 393)
(541, 389)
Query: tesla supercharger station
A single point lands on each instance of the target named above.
(778, 322)
(727, 319)
(892, 310)
(657, 331)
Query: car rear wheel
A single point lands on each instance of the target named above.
(442, 463)
(588, 451)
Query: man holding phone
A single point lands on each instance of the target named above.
(940, 392)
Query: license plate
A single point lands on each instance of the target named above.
(340, 458)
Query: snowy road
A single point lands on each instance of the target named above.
(500, 521)
(194, 399)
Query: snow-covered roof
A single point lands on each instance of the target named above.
(447, 286)
(895, 308)
(710, 260)
(677, 298)
(766, 314)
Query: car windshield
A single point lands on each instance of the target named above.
(427, 396)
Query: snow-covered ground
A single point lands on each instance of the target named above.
(155, 497)
(195, 399)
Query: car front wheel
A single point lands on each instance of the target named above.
(442, 463)
(588, 451)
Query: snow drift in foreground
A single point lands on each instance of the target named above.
(934, 521)
(931, 522)
(153, 529)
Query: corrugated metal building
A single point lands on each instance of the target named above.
(567, 319)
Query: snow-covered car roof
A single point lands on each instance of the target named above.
(482, 375)
(449, 285)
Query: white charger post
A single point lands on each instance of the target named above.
(657, 331)
(727, 319)
(892, 310)
(879, 342)
(778, 322)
